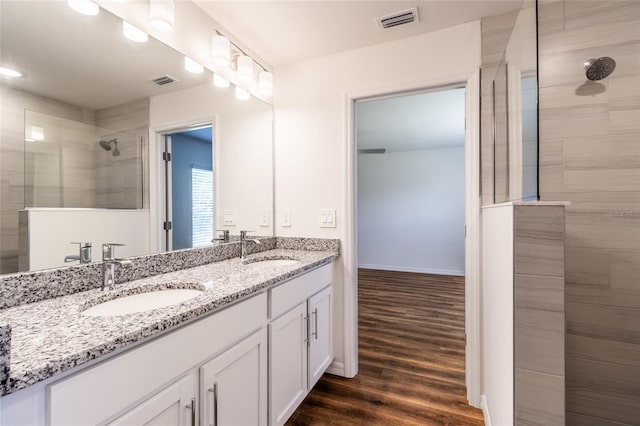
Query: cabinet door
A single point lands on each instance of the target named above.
(288, 363)
(174, 405)
(233, 386)
(320, 337)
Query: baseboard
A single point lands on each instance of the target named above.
(412, 269)
(485, 410)
(337, 369)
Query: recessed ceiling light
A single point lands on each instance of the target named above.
(192, 66)
(85, 7)
(8, 72)
(133, 33)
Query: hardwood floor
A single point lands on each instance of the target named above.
(411, 344)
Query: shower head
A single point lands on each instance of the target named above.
(597, 69)
(116, 151)
(106, 145)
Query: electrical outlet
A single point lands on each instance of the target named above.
(264, 217)
(286, 217)
(327, 218)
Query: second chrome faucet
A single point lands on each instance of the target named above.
(243, 243)
(109, 263)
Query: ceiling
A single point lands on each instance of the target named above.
(285, 32)
(84, 60)
(412, 122)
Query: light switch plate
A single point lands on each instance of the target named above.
(264, 217)
(229, 218)
(327, 218)
(286, 217)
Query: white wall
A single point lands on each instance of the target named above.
(312, 137)
(411, 211)
(497, 308)
(243, 150)
(51, 230)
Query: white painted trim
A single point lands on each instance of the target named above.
(472, 244)
(473, 253)
(156, 173)
(412, 269)
(485, 410)
(336, 368)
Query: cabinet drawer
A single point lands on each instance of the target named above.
(99, 393)
(286, 296)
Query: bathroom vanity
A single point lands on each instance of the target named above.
(254, 341)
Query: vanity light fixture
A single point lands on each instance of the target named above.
(192, 66)
(242, 94)
(162, 15)
(220, 81)
(9, 72)
(265, 82)
(84, 7)
(221, 50)
(133, 33)
(244, 69)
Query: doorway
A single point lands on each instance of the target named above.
(189, 196)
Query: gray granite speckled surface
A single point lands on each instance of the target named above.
(5, 354)
(52, 336)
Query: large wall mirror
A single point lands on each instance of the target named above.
(82, 136)
(515, 112)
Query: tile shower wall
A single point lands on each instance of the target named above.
(12, 161)
(590, 156)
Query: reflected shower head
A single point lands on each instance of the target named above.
(597, 69)
(106, 145)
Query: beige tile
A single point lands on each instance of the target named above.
(587, 267)
(561, 123)
(585, 180)
(539, 292)
(539, 399)
(603, 350)
(613, 152)
(586, 14)
(603, 322)
(550, 17)
(599, 389)
(539, 240)
(624, 91)
(570, 95)
(624, 121)
(539, 340)
(597, 35)
(576, 419)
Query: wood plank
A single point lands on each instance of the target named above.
(411, 348)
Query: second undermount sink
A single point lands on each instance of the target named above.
(270, 262)
(141, 302)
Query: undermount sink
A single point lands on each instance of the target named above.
(270, 263)
(141, 302)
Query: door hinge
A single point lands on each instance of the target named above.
(167, 225)
(166, 156)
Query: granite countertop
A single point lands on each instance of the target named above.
(52, 336)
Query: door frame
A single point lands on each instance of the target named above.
(471, 82)
(157, 195)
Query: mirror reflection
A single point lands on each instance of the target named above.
(84, 127)
(516, 113)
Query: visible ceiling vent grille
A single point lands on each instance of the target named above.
(400, 18)
(165, 79)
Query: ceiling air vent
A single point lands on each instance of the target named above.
(400, 18)
(165, 79)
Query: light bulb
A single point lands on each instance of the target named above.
(162, 15)
(84, 7)
(244, 71)
(133, 33)
(265, 82)
(192, 66)
(220, 81)
(221, 50)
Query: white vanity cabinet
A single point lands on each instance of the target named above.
(233, 386)
(300, 340)
(175, 405)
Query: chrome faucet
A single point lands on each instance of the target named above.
(225, 236)
(84, 255)
(243, 243)
(109, 263)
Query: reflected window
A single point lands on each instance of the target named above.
(202, 207)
